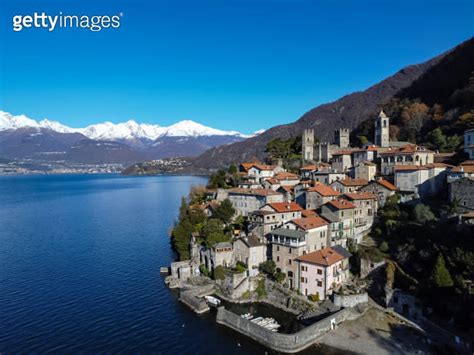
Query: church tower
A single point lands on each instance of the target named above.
(341, 137)
(382, 128)
(308, 145)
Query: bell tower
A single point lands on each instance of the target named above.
(308, 145)
(382, 130)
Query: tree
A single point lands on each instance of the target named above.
(280, 277)
(225, 211)
(218, 180)
(441, 276)
(436, 139)
(213, 232)
(423, 214)
(268, 267)
(219, 273)
(232, 169)
(362, 140)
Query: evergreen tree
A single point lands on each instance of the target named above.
(225, 211)
(441, 276)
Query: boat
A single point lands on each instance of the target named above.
(247, 316)
(212, 301)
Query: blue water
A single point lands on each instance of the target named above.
(79, 268)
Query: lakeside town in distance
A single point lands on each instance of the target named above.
(351, 240)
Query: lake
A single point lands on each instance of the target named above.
(79, 268)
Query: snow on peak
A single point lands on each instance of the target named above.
(129, 130)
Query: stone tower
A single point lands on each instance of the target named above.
(341, 137)
(308, 145)
(382, 130)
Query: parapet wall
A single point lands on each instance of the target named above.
(350, 300)
(194, 298)
(287, 343)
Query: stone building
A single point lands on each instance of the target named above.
(461, 191)
(248, 200)
(316, 196)
(272, 216)
(348, 185)
(220, 254)
(365, 170)
(323, 151)
(382, 188)
(340, 214)
(308, 145)
(421, 181)
(364, 212)
(250, 251)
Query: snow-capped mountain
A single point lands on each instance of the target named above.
(121, 131)
(24, 138)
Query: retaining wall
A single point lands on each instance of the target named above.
(287, 343)
(350, 300)
(193, 298)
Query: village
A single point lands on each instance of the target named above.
(295, 239)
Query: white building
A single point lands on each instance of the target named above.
(422, 180)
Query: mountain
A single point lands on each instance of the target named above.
(105, 143)
(349, 111)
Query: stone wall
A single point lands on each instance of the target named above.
(350, 300)
(287, 343)
(193, 298)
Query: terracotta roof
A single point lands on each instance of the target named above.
(285, 206)
(406, 149)
(247, 166)
(323, 190)
(325, 257)
(264, 167)
(388, 185)
(463, 169)
(286, 176)
(310, 222)
(309, 168)
(353, 182)
(273, 181)
(308, 213)
(361, 196)
(341, 204)
(409, 167)
(259, 192)
(467, 162)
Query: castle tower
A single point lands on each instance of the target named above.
(341, 137)
(382, 128)
(308, 145)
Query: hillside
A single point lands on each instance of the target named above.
(352, 110)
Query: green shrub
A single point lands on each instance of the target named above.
(314, 298)
(219, 273)
(240, 267)
(261, 292)
(268, 267)
(204, 270)
(280, 277)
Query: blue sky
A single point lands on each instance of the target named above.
(230, 64)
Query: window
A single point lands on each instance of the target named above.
(278, 258)
(289, 261)
(320, 283)
(320, 272)
(278, 248)
(289, 250)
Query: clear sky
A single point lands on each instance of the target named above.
(230, 64)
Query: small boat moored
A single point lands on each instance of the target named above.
(212, 301)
